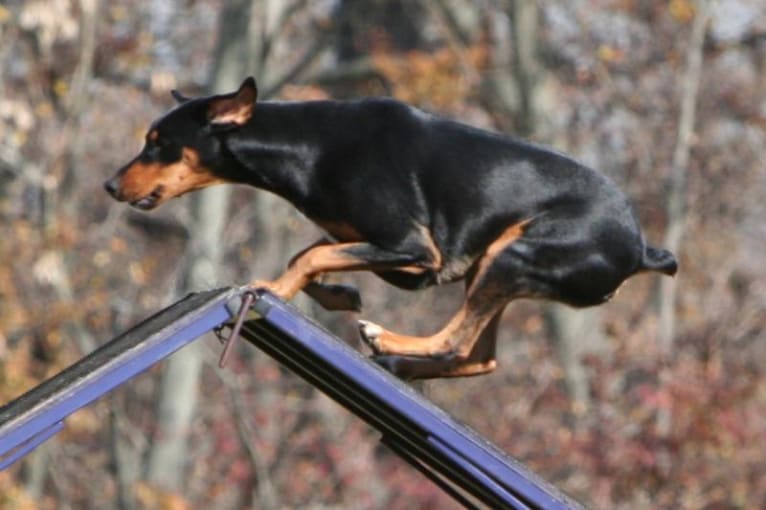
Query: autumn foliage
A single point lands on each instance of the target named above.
(685, 430)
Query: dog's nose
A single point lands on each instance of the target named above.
(111, 187)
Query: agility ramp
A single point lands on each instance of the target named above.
(464, 464)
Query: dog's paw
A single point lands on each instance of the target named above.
(403, 367)
(370, 334)
(389, 363)
(335, 297)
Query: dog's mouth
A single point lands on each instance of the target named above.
(150, 201)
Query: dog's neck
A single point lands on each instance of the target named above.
(279, 146)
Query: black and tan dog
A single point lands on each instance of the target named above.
(417, 199)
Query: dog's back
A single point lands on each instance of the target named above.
(387, 167)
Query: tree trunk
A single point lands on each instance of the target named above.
(676, 206)
(525, 29)
(55, 191)
(575, 334)
(179, 383)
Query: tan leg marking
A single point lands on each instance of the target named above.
(480, 360)
(323, 258)
(496, 247)
(462, 336)
(309, 264)
(466, 344)
(437, 260)
(463, 330)
(469, 369)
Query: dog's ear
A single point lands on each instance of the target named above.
(180, 98)
(233, 109)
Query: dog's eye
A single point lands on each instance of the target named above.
(162, 142)
(154, 139)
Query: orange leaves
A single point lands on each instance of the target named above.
(609, 54)
(15, 370)
(439, 79)
(157, 499)
(682, 10)
(303, 93)
(13, 496)
(5, 14)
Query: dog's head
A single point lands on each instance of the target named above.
(182, 150)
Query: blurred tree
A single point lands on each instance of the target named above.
(56, 185)
(178, 390)
(677, 193)
(676, 205)
(69, 160)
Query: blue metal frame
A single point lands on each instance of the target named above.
(33, 417)
(407, 420)
(459, 460)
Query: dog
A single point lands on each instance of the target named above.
(417, 199)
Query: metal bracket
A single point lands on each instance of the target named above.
(248, 297)
(37, 415)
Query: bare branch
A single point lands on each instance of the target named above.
(449, 19)
(300, 67)
(269, 35)
(264, 493)
(676, 206)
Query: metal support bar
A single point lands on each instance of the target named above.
(228, 344)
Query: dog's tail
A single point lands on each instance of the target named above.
(656, 259)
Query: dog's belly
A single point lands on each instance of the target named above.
(454, 269)
(451, 271)
(408, 280)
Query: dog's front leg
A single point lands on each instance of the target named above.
(333, 297)
(324, 258)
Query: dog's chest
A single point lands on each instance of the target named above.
(339, 230)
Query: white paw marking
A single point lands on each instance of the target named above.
(370, 333)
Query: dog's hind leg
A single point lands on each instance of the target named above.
(464, 346)
(461, 347)
(480, 361)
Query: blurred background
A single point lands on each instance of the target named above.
(654, 400)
